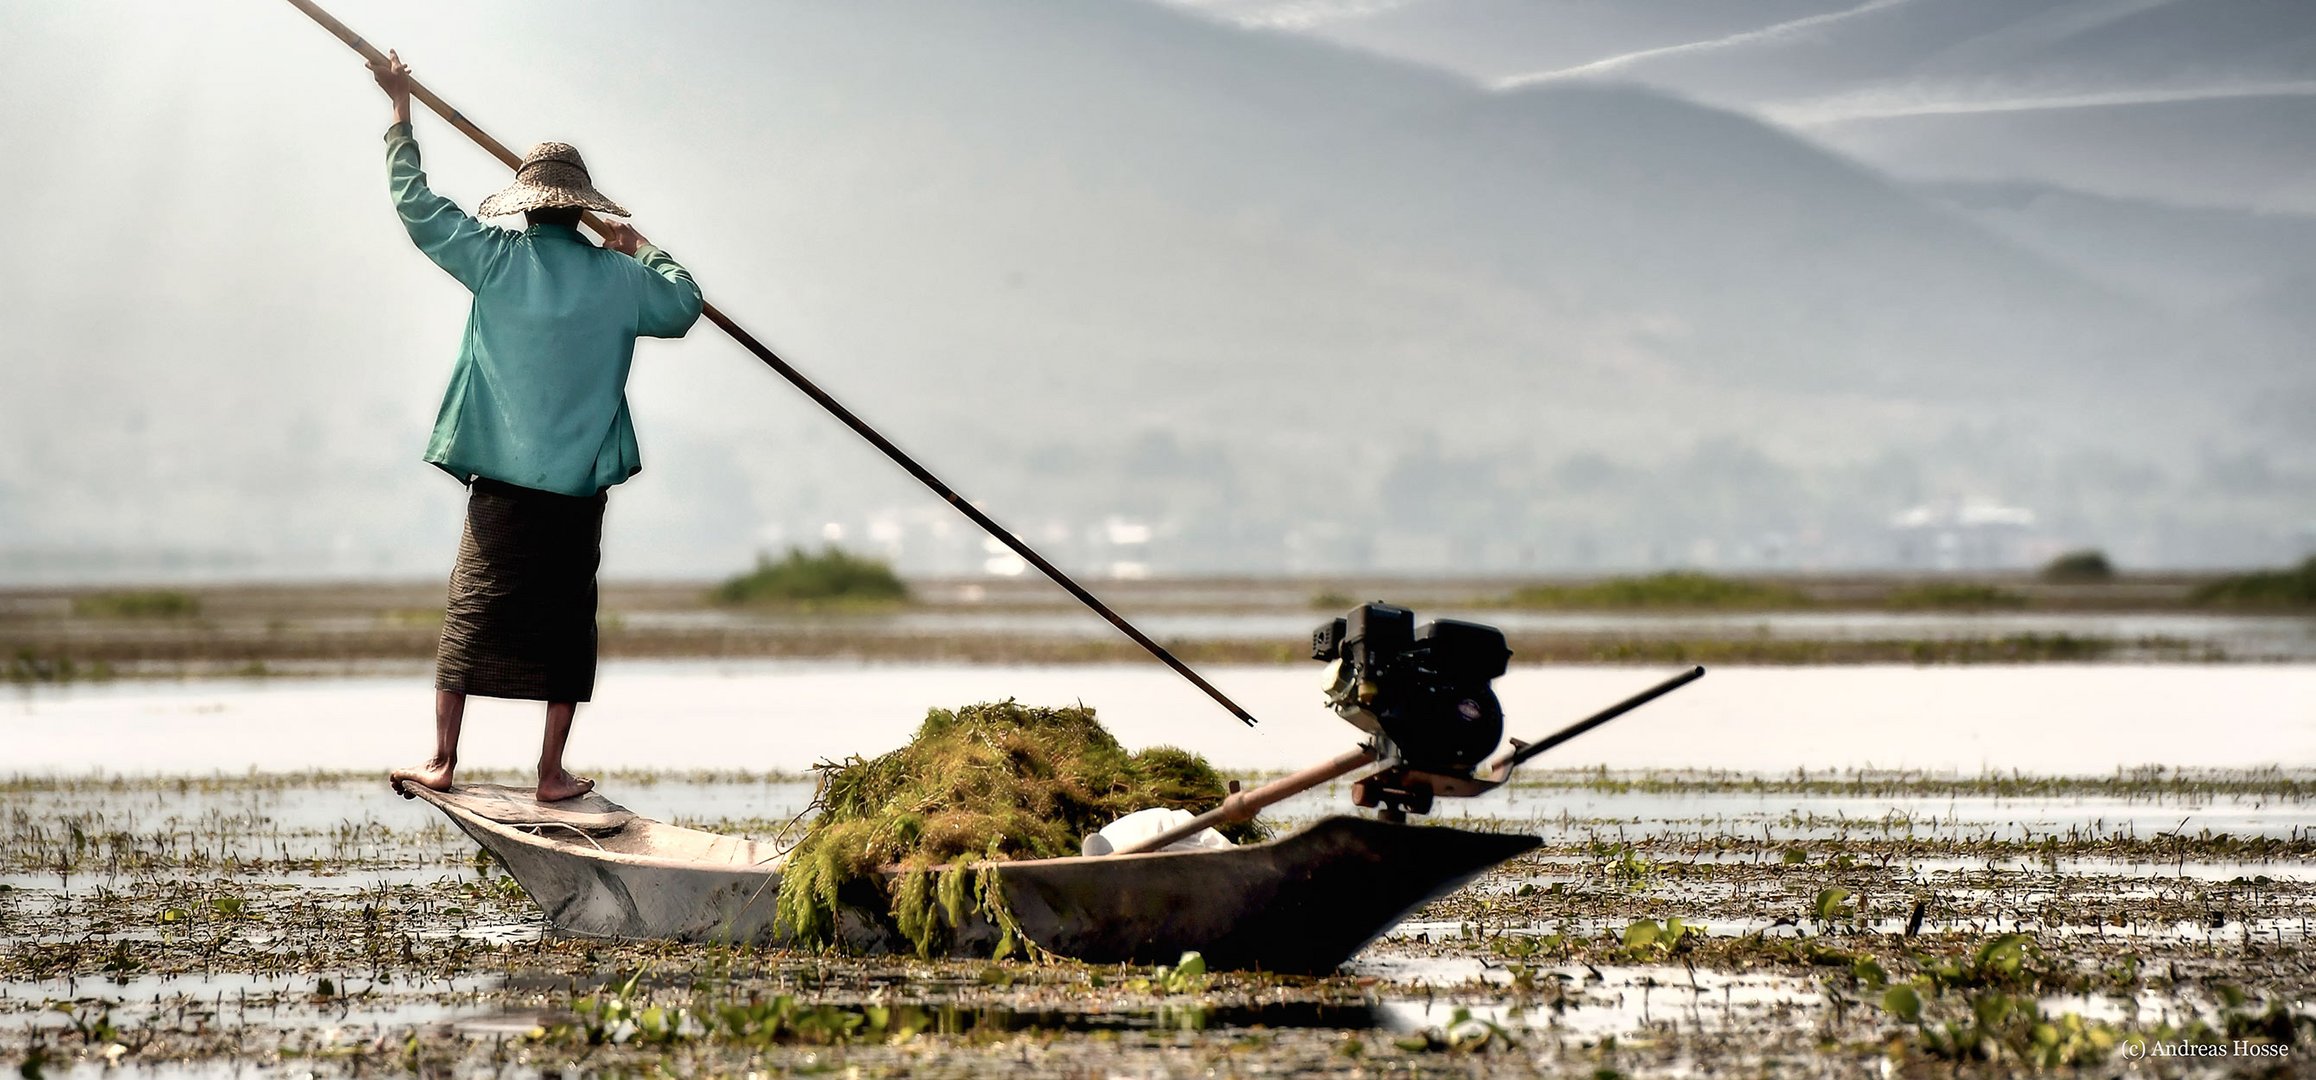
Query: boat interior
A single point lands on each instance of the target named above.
(594, 822)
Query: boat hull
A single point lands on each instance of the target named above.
(1302, 903)
(582, 893)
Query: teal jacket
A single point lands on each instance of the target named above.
(539, 396)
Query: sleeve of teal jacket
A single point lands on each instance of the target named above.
(467, 248)
(671, 301)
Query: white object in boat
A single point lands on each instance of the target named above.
(1144, 824)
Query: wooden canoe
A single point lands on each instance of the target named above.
(1302, 903)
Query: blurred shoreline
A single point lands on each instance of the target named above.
(72, 634)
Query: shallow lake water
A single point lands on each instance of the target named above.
(784, 716)
(235, 913)
(311, 857)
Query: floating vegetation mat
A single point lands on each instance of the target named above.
(1702, 924)
(989, 782)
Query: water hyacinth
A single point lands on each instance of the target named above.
(995, 781)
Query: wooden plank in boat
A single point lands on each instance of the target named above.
(590, 813)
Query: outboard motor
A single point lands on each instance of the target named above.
(1424, 693)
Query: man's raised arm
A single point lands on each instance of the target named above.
(464, 247)
(670, 301)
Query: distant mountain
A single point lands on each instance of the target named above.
(2191, 259)
(1772, 49)
(1265, 292)
(2057, 46)
(1719, 252)
(1299, 263)
(2236, 280)
(2194, 101)
(1497, 39)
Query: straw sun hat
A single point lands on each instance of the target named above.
(551, 175)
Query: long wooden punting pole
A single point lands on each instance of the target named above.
(835, 408)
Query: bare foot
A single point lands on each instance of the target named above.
(561, 785)
(434, 775)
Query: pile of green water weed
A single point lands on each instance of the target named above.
(990, 782)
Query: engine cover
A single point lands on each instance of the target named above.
(1426, 692)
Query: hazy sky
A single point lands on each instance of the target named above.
(1030, 239)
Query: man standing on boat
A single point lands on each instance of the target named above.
(535, 423)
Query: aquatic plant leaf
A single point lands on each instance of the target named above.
(2002, 956)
